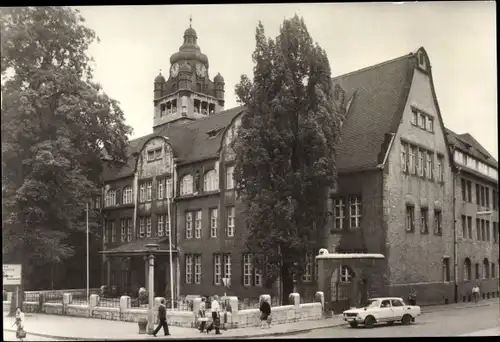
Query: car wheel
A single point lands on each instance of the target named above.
(353, 324)
(390, 323)
(406, 319)
(369, 322)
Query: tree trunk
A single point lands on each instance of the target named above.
(287, 281)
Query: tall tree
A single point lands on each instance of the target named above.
(56, 123)
(285, 150)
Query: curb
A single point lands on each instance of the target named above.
(210, 337)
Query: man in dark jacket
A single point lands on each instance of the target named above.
(162, 317)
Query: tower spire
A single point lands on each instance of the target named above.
(190, 20)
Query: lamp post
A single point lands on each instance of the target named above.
(151, 247)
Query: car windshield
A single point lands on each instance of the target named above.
(372, 303)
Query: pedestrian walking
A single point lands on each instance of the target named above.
(162, 317)
(475, 293)
(202, 314)
(265, 309)
(19, 323)
(215, 308)
(412, 298)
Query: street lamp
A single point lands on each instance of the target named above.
(151, 247)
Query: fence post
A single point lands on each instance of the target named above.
(94, 301)
(67, 299)
(125, 304)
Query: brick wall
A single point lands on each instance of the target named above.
(415, 257)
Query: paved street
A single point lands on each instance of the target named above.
(480, 321)
(11, 336)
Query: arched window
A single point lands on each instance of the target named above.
(467, 269)
(478, 273)
(127, 195)
(486, 269)
(346, 274)
(493, 270)
(186, 185)
(210, 182)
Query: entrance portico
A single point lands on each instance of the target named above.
(346, 279)
(126, 267)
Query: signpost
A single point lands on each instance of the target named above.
(12, 276)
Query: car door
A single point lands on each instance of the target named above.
(398, 308)
(386, 313)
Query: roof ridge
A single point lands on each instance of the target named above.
(213, 115)
(374, 66)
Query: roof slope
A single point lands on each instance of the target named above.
(465, 142)
(380, 93)
(190, 142)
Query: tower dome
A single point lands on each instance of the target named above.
(159, 78)
(218, 78)
(189, 49)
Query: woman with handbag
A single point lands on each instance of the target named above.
(20, 333)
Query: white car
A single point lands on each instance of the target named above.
(384, 309)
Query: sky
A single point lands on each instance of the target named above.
(460, 38)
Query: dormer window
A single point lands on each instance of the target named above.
(422, 63)
(186, 185)
(154, 154)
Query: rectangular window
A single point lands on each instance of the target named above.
(438, 224)
(404, 156)
(123, 228)
(412, 159)
(230, 178)
(446, 269)
(483, 200)
(213, 222)
(483, 230)
(495, 232)
(142, 192)
(169, 188)
(464, 226)
(227, 266)
(189, 225)
(129, 230)
(410, 218)
(160, 225)
(257, 277)
(97, 202)
(149, 190)
(142, 227)
(420, 163)
(230, 222)
(487, 224)
(464, 190)
(422, 121)
(430, 165)
(355, 211)
(440, 169)
(307, 276)
(247, 269)
(487, 197)
(430, 124)
(478, 194)
(148, 226)
(105, 232)
(469, 226)
(478, 229)
(217, 269)
(127, 195)
(469, 191)
(197, 269)
(113, 233)
(161, 188)
(424, 227)
(338, 221)
(189, 269)
(110, 198)
(197, 225)
(151, 155)
(167, 226)
(414, 116)
(495, 199)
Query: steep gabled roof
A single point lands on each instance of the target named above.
(190, 142)
(380, 94)
(467, 144)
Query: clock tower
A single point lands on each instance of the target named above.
(188, 93)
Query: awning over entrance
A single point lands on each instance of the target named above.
(138, 247)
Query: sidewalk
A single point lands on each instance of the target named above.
(77, 328)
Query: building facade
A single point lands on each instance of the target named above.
(394, 194)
